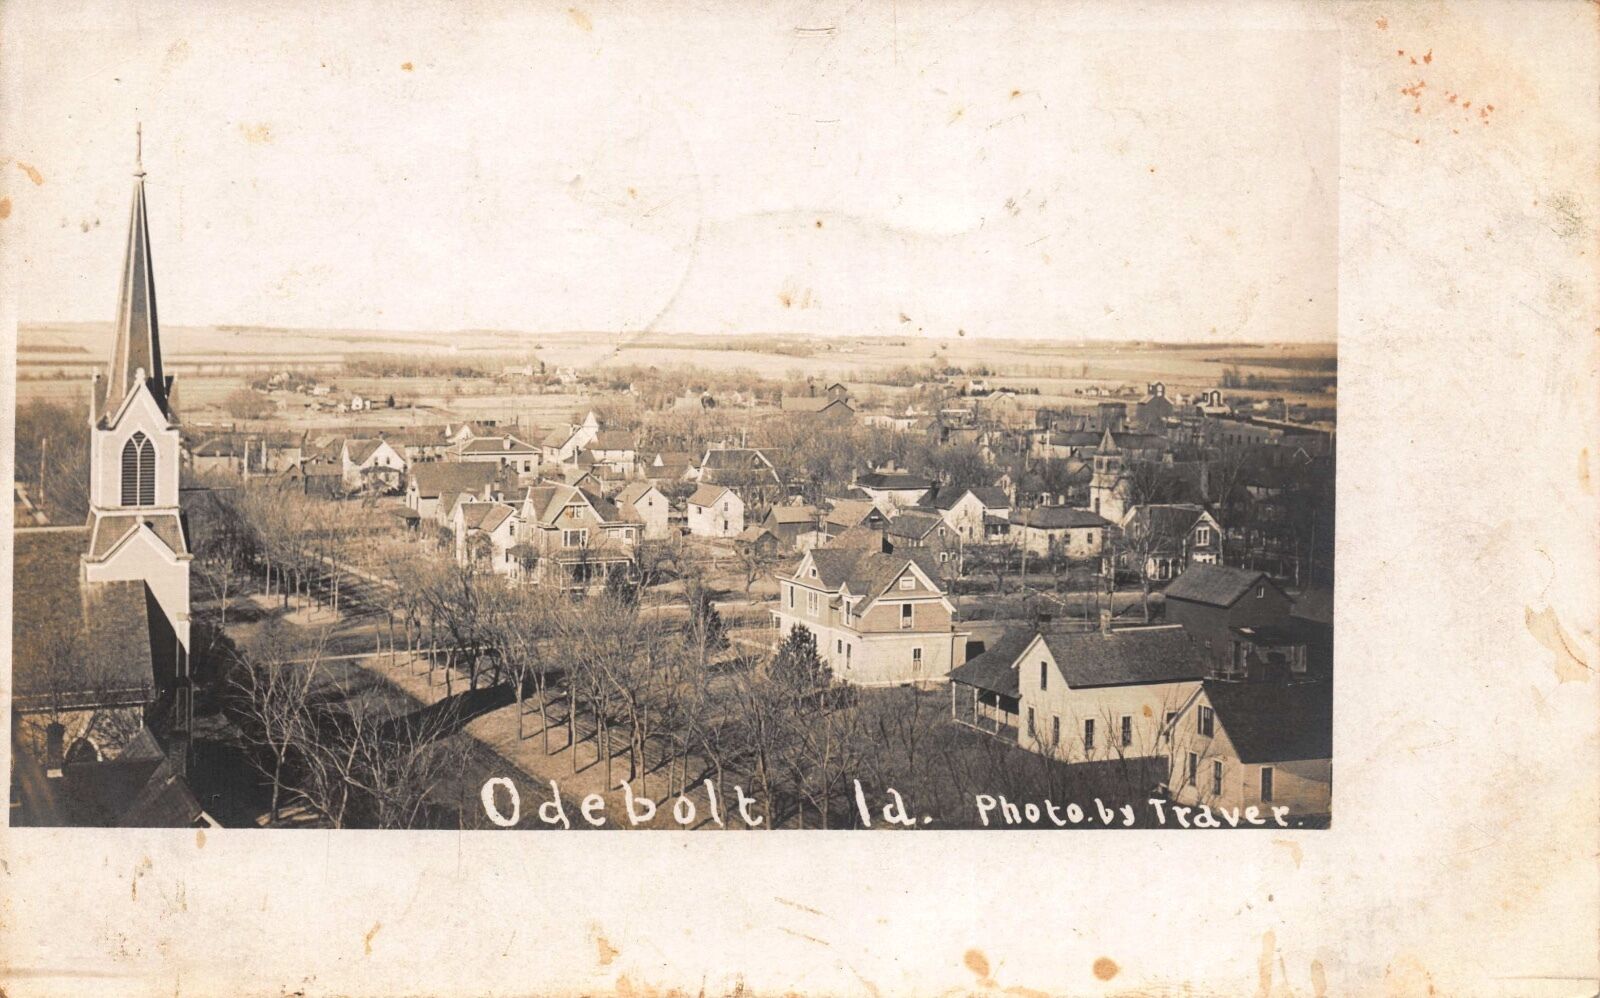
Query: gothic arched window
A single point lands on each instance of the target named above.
(139, 471)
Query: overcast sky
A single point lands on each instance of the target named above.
(829, 167)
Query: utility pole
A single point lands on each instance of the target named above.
(44, 459)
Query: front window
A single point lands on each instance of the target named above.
(1216, 778)
(1127, 730)
(1206, 722)
(1044, 675)
(574, 538)
(1030, 723)
(916, 661)
(905, 616)
(1190, 768)
(1055, 730)
(1266, 784)
(1088, 735)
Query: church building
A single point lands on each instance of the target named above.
(102, 703)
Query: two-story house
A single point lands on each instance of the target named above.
(891, 488)
(964, 510)
(879, 619)
(615, 451)
(649, 504)
(1259, 745)
(486, 533)
(715, 511)
(371, 465)
(1168, 538)
(507, 451)
(1060, 532)
(426, 483)
(1235, 613)
(1093, 696)
(574, 539)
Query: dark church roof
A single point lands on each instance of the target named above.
(69, 646)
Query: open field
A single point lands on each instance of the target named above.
(56, 360)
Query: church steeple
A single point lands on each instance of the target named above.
(138, 335)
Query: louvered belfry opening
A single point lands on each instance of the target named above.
(138, 471)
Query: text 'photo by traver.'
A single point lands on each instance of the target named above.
(645, 467)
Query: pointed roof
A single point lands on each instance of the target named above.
(138, 338)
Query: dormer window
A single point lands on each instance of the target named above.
(139, 471)
(907, 582)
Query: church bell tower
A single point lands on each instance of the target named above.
(136, 530)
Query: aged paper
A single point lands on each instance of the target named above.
(928, 314)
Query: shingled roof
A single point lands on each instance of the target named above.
(707, 495)
(995, 669)
(70, 642)
(865, 572)
(1127, 658)
(1269, 722)
(485, 516)
(1214, 585)
(435, 478)
(1058, 518)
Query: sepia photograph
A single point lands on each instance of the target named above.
(816, 542)
(835, 417)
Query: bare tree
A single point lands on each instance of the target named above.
(272, 684)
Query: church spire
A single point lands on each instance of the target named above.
(138, 338)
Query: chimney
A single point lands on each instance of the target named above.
(1105, 621)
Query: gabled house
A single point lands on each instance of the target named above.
(562, 444)
(1264, 745)
(572, 539)
(927, 532)
(670, 467)
(426, 483)
(486, 532)
(504, 450)
(1092, 696)
(744, 468)
(847, 513)
(715, 511)
(1213, 601)
(966, 510)
(649, 504)
(1168, 538)
(789, 522)
(879, 619)
(371, 465)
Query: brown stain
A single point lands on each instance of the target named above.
(1382, 23)
(406, 66)
(1319, 980)
(957, 115)
(366, 940)
(1106, 968)
(633, 192)
(977, 963)
(604, 951)
(1583, 472)
(580, 19)
(1269, 943)
(1015, 94)
(819, 223)
(1407, 977)
(32, 172)
(199, 838)
(5, 208)
(784, 297)
(1547, 630)
(1294, 850)
(257, 134)
(1147, 712)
